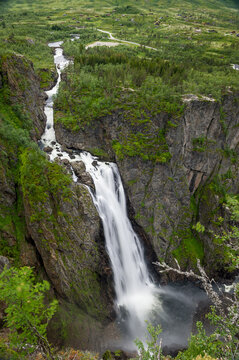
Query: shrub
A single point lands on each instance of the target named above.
(27, 316)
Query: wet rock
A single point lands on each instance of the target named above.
(91, 137)
(65, 162)
(70, 151)
(48, 149)
(83, 176)
(172, 350)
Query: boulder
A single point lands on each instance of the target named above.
(4, 262)
(83, 176)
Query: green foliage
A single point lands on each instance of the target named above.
(127, 9)
(227, 240)
(99, 152)
(6, 353)
(152, 349)
(147, 146)
(223, 342)
(230, 154)
(199, 227)
(199, 144)
(105, 80)
(190, 248)
(40, 180)
(199, 344)
(27, 316)
(232, 201)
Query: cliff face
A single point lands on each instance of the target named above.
(46, 220)
(22, 87)
(168, 197)
(21, 118)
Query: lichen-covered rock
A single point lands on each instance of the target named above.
(4, 262)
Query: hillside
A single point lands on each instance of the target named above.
(162, 104)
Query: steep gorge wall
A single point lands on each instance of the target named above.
(46, 220)
(169, 197)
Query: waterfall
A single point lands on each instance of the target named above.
(135, 291)
(137, 297)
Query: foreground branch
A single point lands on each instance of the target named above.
(203, 278)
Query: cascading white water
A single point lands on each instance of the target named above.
(136, 294)
(135, 291)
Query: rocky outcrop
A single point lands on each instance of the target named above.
(67, 243)
(4, 263)
(169, 197)
(65, 228)
(21, 115)
(17, 74)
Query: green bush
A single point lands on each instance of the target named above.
(152, 349)
(27, 315)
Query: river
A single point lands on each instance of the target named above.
(138, 296)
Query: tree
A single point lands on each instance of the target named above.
(27, 316)
(152, 349)
(223, 343)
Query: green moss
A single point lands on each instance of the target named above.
(12, 231)
(147, 146)
(199, 144)
(230, 154)
(46, 78)
(190, 248)
(89, 294)
(71, 325)
(41, 180)
(99, 152)
(12, 224)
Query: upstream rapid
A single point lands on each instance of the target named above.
(138, 297)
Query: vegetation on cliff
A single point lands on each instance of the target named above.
(27, 316)
(49, 223)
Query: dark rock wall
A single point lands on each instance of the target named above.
(18, 75)
(167, 198)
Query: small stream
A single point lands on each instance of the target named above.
(138, 297)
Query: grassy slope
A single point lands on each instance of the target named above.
(27, 26)
(196, 42)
